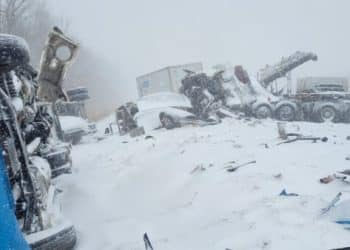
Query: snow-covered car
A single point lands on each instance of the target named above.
(73, 121)
(73, 128)
(168, 110)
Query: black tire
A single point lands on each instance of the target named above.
(167, 121)
(65, 239)
(263, 111)
(346, 116)
(327, 113)
(286, 112)
(76, 139)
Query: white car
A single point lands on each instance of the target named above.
(168, 110)
(73, 128)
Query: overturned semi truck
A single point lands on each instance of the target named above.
(30, 156)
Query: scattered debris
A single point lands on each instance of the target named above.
(148, 244)
(230, 162)
(148, 137)
(137, 132)
(299, 137)
(284, 193)
(278, 176)
(234, 169)
(265, 244)
(346, 172)
(327, 179)
(199, 168)
(282, 130)
(286, 137)
(331, 204)
(343, 176)
(192, 200)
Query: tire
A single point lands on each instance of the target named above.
(286, 112)
(76, 139)
(263, 112)
(167, 121)
(327, 113)
(61, 239)
(346, 116)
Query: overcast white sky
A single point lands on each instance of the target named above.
(139, 36)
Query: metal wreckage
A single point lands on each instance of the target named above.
(232, 90)
(31, 142)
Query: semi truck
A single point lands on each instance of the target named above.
(323, 98)
(317, 99)
(165, 80)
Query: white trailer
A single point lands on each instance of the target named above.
(165, 80)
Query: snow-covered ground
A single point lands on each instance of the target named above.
(124, 187)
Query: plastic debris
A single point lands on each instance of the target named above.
(284, 193)
(332, 203)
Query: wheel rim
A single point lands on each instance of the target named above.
(328, 114)
(263, 112)
(167, 122)
(286, 113)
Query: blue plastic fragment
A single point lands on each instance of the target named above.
(343, 222)
(10, 235)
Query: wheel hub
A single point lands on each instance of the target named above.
(286, 113)
(263, 112)
(328, 114)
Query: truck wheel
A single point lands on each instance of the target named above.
(263, 112)
(347, 116)
(328, 114)
(285, 112)
(76, 139)
(167, 121)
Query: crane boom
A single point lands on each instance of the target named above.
(273, 72)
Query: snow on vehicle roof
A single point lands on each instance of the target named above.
(15, 40)
(163, 99)
(69, 123)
